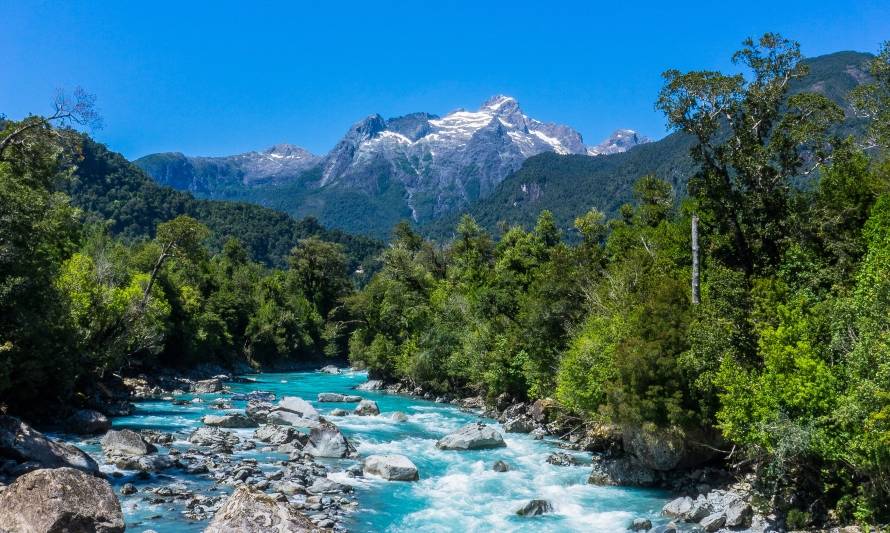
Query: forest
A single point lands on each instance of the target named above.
(778, 353)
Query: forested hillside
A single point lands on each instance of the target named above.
(568, 185)
(764, 341)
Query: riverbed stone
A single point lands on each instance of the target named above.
(250, 511)
(339, 412)
(277, 435)
(27, 449)
(87, 422)
(367, 408)
(301, 407)
(214, 437)
(207, 386)
(326, 440)
(641, 524)
(561, 459)
(535, 508)
(713, 522)
(233, 420)
(476, 436)
(334, 397)
(621, 471)
(500, 466)
(393, 467)
(519, 425)
(289, 418)
(329, 369)
(126, 442)
(60, 500)
(738, 513)
(399, 416)
(371, 385)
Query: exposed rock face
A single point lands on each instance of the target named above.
(207, 386)
(623, 471)
(665, 449)
(535, 508)
(229, 421)
(248, 510)
(542, 410)
(327, 441)
(475, 436)
(620, 141)
(87, 422)
(333, 397)
(519, 425)
(60, 500)
(393, 467)
(125, 442)
(367, 408)
(31, 450)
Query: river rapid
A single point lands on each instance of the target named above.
(457, 491)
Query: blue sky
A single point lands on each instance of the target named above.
(217, 78)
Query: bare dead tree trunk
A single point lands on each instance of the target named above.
(696, 274)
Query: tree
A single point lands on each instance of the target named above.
(318, 271)
(180, 238)
(872, 100)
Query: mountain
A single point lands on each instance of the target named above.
(620, 141)
(115, 192)
(418, 166)
(569, 185)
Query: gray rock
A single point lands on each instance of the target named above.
(535, 508)
(288, 418)
(87, 422)
(399, 416)
(392, 467)
(739, 514)
(298, 406)
(329, 369)
(128, 489)
(25, 445)
(713, 522)
(641, 524)
(207, 386)
(367, 408)
(235, 420)
(250, 511)
(666, 449)
(325, 440)
(371, 385)
(678, 508)
(278, 435)
(500, 466)
(622, 471)
(334, 397)
(339, 412)
(519, 425)
(215, 437)
(475, 436)
(126, 442)
(144, 463)
(324, 485)
(667, 528)
(561, 459)
(60, 500)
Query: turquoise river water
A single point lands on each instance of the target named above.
(457, 491)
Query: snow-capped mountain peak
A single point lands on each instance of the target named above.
(621, 140)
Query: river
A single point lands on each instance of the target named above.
(457, 491)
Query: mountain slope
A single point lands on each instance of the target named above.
(110, 188)
(569, 185)
(418, 166)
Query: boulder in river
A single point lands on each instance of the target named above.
(60, 500)
(399, 416)
(278, 435)
(144, 463)
(371, 384)
(339, 412)
(329, 369)
(126, 442)
(250, 511)
(297, 405)
(30, 449)
(562, 459)
(393, 467)
(214, 437)
(289, 418)
(207, 386)
(500, 466)
(87, 422)
(535, 508)
(476, 436)
(367, 408)
(333, 397)
(325, 440)
(641, 524)
(622, 471)
(519, 425)
(235, 420)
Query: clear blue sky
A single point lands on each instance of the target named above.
(216, 78)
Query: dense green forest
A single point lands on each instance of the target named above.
(783, 348)
(780, 355)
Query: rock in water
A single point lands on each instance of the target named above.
(24, 444)
(372, 384)
(125, 442)
(229, 421)
(288, 418)
(393, 467)
(207, 386)
(367, 408)
(475, 436)
(87, 422)
(622, 471)
(298, 405)
(327, 441)
(337, 397)
(399, 416)
(641, 524)
(60, 500)
(330, 369)
(535, 508)
(519, 425)
(248, 510)
(278, 435)
(500, 466)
